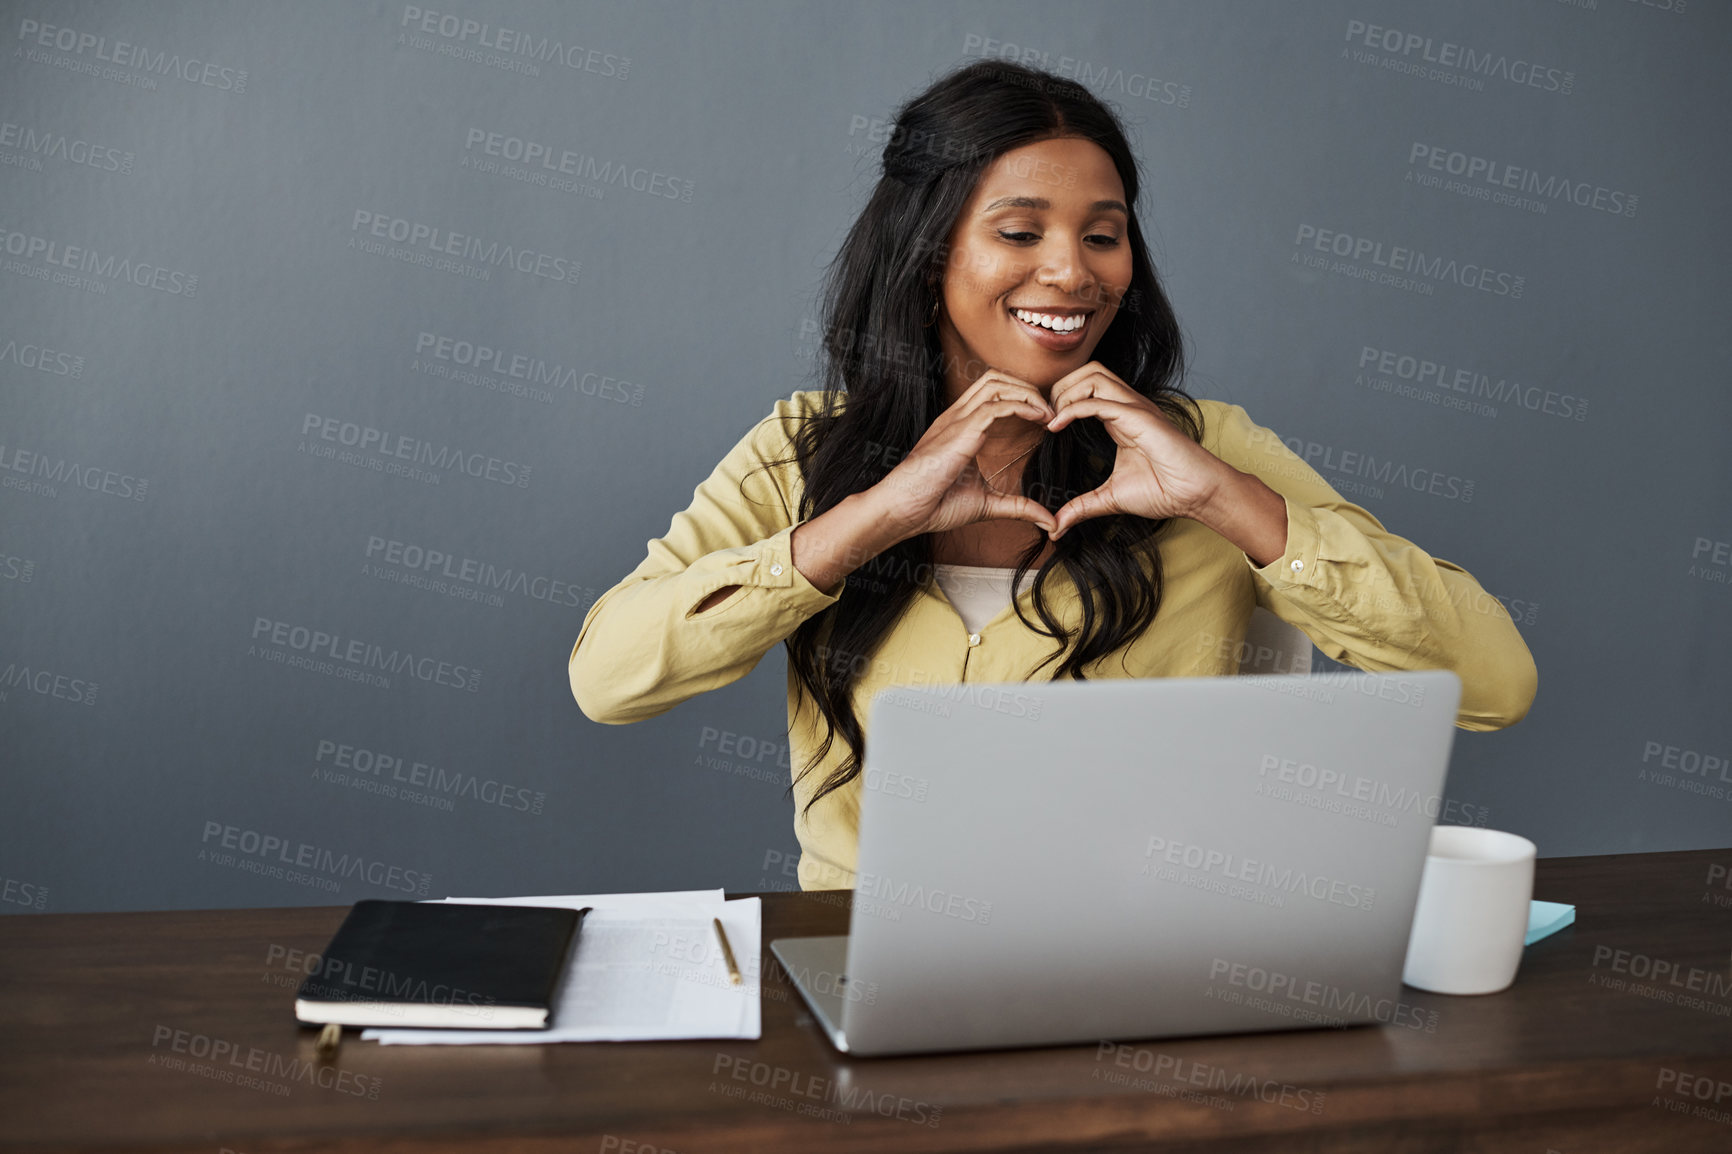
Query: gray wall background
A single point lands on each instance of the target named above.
(196, 314)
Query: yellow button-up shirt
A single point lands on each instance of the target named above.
(1363, 595)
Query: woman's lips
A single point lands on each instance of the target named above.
(1047, 339)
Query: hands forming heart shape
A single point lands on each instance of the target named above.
(1157, 472)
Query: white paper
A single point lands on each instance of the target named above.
(646, 967)
(578, 901)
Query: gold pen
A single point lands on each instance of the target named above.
(727, 951)
(329, 1038)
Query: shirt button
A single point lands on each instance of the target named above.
(775, 570)
(973, 639)
(1298, 566)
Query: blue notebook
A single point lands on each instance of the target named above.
(1547, 918)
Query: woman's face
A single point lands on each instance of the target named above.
(1037, 265)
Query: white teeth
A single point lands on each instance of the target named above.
(1056, 324)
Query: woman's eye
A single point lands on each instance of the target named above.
(1099, 240)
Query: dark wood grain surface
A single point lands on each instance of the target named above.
(1617, 1037)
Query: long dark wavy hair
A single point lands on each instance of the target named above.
(885, 360)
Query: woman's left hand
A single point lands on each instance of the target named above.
(1158, 472)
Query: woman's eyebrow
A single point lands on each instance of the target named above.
(1041, 202)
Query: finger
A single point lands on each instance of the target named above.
(998, 383)
(976, 423)
(968, 435)
(1113, 413)
(1021, 406)
(1083, 507)
(998, 386)
(1091, 380)
(952, 448)
(993, 374)
(1001, 506)
(988, 382)
(1075, 384)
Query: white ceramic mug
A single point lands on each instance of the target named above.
(1472, 916)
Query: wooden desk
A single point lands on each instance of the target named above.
(1565, 1061)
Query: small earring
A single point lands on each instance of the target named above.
(932, 317)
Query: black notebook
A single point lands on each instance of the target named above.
(443, 964)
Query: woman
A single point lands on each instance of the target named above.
(1002, 411)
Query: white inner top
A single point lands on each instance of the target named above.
(979, 592)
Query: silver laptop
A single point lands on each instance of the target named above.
(1050, 863)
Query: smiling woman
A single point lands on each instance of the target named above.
(1002, 478)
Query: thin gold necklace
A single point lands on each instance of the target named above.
(1007, 465)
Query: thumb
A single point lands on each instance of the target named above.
(1009, 505)
(1083, 507)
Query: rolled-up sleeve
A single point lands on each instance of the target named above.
(1374, 600)
(644, 647)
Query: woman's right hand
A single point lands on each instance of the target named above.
(938, 487)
